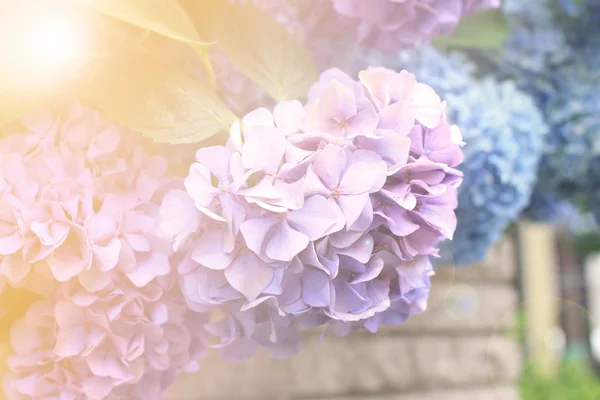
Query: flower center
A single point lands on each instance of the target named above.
(340, 123)
(335, 193)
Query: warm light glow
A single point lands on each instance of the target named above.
(48, 40)
(52, 42)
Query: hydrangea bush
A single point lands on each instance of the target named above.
(323, 214)
(319, 214)
(504, 133)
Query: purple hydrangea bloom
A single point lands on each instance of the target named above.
(319, 214)
(391, 25)
(504, 133)
(388, 25)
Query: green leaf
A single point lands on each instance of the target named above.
(208, 67)
(261, 49)
(483, 30)
(182, 111)
(157, 99)
(165, 17)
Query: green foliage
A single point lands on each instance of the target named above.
(152, 94)
(181, 111)
(258, 46)
(149, 90)
(165, 17)
(519, 328)
(484, 30)
(573, 381)
(587, 244)
(123, 73)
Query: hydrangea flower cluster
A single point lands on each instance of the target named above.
(388, 25)
(581, 19)
(563, 80)
(571, 166)
(391, 25)
(79, 203)
(547, 206)
(504, 134)
(534, 47)
(322, 214)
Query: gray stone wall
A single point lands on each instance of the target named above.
(458, 350)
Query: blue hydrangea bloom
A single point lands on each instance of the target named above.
(546, 206)
(581, 19)
(540, 56)
(570, 168)
(572, 113)
(535, 42)
(504, 131)
(535, 46)
(570, 7)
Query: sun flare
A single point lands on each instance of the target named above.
(48, 42)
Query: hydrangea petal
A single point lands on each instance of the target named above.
(249, 275)
(317, 218)
(285, 243)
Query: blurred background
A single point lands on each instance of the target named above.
(562, 358)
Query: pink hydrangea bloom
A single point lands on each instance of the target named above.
(319, 214)
(79, 201)
(104, 345)
(79, 212)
